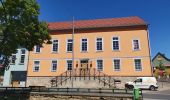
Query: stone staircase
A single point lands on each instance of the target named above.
(81, 78)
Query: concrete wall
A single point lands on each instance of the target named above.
(16, 67)
(79, 82)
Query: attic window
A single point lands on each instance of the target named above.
(159, 58)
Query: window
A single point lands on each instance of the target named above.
(69, 64)
(55, 46)
(115, 41)
(23, 51)
(136, 45)
(54, 65)
(99, 44)
(13, 58)
(116, 64)
(37, 49)
(138, 65)
(100, 65)
(84, 45)
(22, 59)
(138, 80)
(69, 45)
(36, 66)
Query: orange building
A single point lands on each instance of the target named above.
(118, 47)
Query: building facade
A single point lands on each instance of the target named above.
(161, 60)
(118, 47)
(16, 74)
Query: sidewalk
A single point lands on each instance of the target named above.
(163, 86)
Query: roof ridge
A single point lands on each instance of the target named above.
(95, 19)
(163, 55)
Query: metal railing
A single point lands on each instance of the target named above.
(91, 92)
(83, 73)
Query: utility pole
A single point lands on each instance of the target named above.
(72, 52)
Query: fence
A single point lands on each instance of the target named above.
(92, 92)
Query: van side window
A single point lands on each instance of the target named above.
(138, 80)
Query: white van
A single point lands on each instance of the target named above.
(143, 83)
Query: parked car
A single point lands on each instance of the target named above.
(143, 83)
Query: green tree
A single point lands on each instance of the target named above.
(161, 66)
(20, 27)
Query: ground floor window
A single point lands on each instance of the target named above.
(100, 65)
(138, 65)
(54, 65)
(116, 63)
(36, 66)
(69, 65)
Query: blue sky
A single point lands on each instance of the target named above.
(154, 12)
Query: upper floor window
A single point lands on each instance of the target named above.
(136, 45)
(116, 63)
(23, 51)
(115, 43)
(55, 46)
(37, 49)
(13, 59)
(69, 65)
(69, 45)
(138, 64)
(99, 44)
(100, 65)
(84, 45)
(36, 67)
(54, 65)
(22, 59)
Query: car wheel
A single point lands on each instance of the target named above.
(131, 87)
(152, 88)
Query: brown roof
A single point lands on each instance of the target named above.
(98, 23)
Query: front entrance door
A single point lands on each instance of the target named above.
(84, 67)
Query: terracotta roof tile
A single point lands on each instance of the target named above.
(97, 23)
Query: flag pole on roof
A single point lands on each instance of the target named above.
(72, 50)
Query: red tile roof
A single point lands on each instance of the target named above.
(98, 23)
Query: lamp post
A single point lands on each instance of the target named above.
(72, 51)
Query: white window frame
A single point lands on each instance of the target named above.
(114, 66)
(135, 66)
(52, 66)
(22, 55)
(81, 45)
(34, 66)
(118, 41)
(12, 59)
(97, 65)
(35, 47)
(102, 44)
(67, 64)
(138, 44)
(67, 45)
(52, 46)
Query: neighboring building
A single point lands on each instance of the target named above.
(119, 47)
(161, 58)
(16, 74)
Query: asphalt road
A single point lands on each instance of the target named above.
(156, 95)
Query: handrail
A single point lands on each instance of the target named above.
(45, 89)
(97, 74)
(96, 92)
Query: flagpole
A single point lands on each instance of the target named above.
(72, 50)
